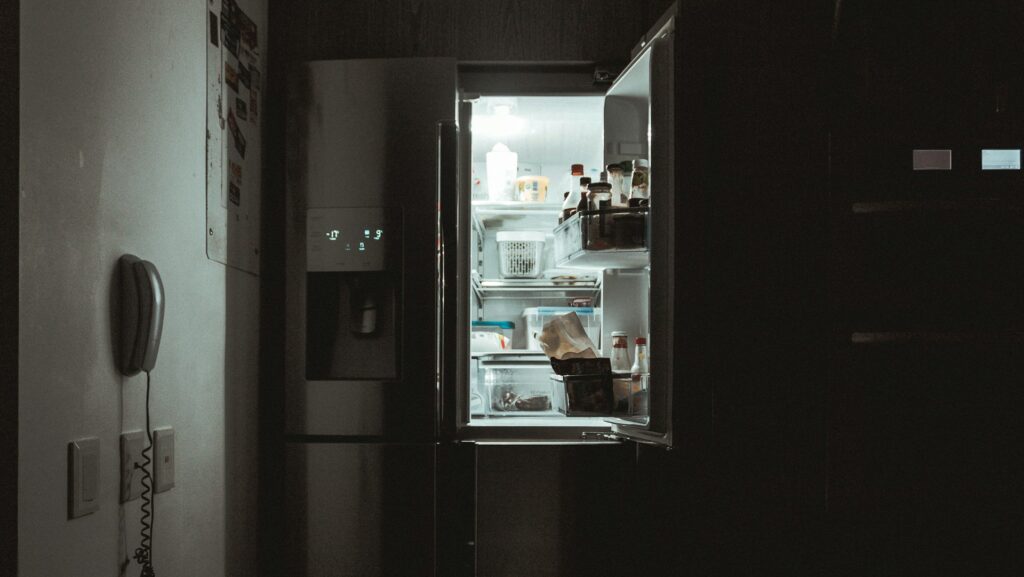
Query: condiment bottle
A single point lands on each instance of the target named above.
(639, 194)
(640, 373)
(600, 195)
(567, 207)
(619, 196)
(583, 203)
(599, 226)
(620, 352)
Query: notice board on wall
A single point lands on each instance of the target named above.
(234, 73)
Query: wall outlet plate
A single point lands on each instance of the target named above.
(132, 444)
(163, 460)
(83, 477)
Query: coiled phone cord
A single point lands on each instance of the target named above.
(144, 552)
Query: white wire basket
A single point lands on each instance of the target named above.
(521, 253)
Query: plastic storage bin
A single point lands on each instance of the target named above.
(534, 319)
(607, 238)
(520, 253)
(506, 328)
(517, 385)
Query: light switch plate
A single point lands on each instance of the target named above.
(132, 445)
(163, 459)
(83, 477)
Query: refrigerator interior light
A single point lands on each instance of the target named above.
(498, 125)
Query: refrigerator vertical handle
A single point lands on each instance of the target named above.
(447, 289)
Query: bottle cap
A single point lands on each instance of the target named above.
(577, 170)
(600, 187)
(627, 165)
(641, 341)
(614, 168)
(619, 333)
(585, 180)
(639, 163)
(604, 176)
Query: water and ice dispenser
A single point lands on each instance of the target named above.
(354, 287)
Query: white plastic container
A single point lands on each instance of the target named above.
(535, 317)
(520, 253)
(501, 173)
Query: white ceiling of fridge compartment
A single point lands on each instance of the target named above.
(552, 131)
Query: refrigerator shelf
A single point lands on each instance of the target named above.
(534, 288)
(510, 215)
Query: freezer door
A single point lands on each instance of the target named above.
(361, 246)
(360, 509)
(640, 123)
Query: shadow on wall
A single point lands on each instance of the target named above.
(241, 416)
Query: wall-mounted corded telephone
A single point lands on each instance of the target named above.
(142, 314)
(142, 322)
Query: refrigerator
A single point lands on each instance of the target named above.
(414, 320)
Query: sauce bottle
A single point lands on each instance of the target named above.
(640, 374)
(583, 203)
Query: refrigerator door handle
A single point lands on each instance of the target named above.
(447, 277)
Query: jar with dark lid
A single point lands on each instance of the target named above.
(619, 196)
(639, 194)
(599, 224)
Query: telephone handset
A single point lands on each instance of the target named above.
(142, 314)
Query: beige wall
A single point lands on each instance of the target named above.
(112, 161)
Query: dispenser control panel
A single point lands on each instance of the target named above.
(346, 239)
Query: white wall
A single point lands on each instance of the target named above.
(112, 161)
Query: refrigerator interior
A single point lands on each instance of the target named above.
(514, 386)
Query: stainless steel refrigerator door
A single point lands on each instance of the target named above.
(640, 122)
(362, 135)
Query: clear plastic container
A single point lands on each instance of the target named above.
(506, 328)
(516, 388)
(534, 319)
(616, 229)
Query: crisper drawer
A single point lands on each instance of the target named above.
(517, 385)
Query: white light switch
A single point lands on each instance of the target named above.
(163, 460)
(84, 477)
(132, 445)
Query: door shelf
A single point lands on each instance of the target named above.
(615, 238)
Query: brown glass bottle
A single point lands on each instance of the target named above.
(584, 203)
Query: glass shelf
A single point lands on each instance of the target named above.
(513, 215)
(535, 288)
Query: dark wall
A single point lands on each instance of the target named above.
(851, 399)
(9, 197)
(924, 428)
(487, 30)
